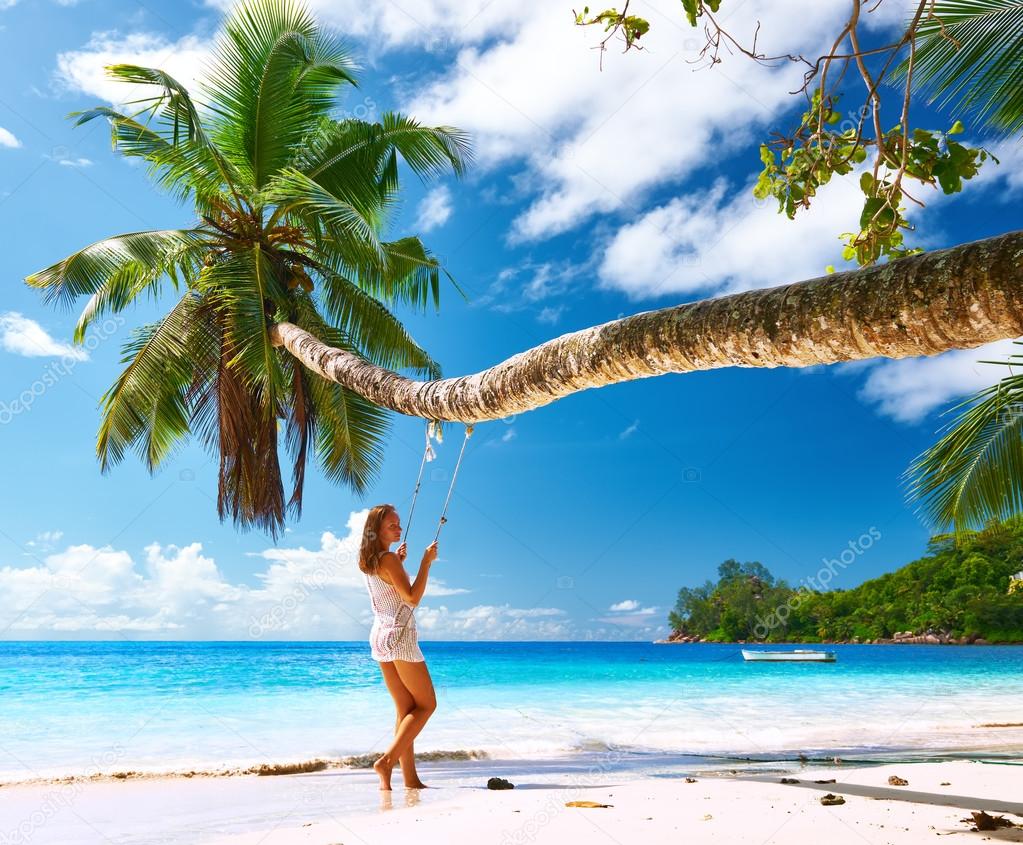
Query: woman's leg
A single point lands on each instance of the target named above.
(416, 679)
(404, 703)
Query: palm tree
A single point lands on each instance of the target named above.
(285, 313)
(291, 205)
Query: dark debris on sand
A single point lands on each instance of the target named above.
(982, 821)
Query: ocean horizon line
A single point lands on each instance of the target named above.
(334, 642)
(513, 642)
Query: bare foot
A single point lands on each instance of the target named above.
(417, 784)
(383, 767)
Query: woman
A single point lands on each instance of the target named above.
(394, 641)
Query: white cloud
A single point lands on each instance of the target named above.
(531, 283)
(75, 162)
(629, 430)
(1009, 170)
(722, 241)
(7, 4)
(629, 614)
(438, 587)
(427, 23)
(430, 24)
(434, 210)
(548, 279)
(180, 592)
(7, 139)
(910, 388)
(96, 577)
(186, 579)
(715, 241)
(534, 95)
(509, 435)
(24, 336)
(45, 540)
(550, 314)
(525, 83)
(83, 69)
(502, 622)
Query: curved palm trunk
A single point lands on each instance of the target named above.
(951, 299)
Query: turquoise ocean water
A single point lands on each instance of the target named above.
(82, 708)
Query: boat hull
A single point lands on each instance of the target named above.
(798, 656)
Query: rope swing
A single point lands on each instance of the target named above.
(451, 486)
(433, 432)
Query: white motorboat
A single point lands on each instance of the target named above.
(799, 654)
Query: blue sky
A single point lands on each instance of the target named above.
(596, 194)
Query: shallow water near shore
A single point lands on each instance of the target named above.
(99, 708)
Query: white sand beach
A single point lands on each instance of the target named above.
(326, 808)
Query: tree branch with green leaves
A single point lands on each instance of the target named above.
(966, 55)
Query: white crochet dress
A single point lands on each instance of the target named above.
(393, 635)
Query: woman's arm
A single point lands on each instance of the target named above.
(411, 592)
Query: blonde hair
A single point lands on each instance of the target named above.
(370, 549)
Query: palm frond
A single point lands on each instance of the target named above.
(367, 326)
(274, 74)
(247, 293)
(179, 116)
(231, 419)
(974, 473)
(185, 169)
(350, 434)
(300, 429)
(969, 57)
(350, 430)
(250, 489)
(206, 346)
(89, 271)
(125, 286)
(330, 219)
(429, 151)
(147, 406)
(360, 180)
(412, 276)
